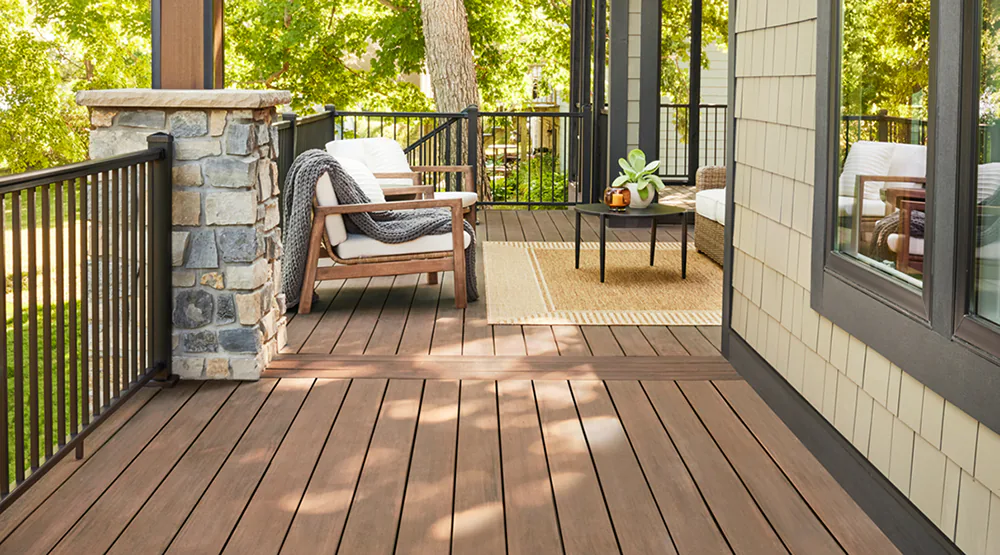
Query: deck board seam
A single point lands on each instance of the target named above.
(167, 474)
(638, 462)
(409, 466)
(326, 307)
(548, 467)
(454, 468)
(756, 439)
(354, 310)
(503, 479)
(736, 472)
(218, 470)
(124, 468)
(687, 467)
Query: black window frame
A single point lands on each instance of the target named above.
(928, 333)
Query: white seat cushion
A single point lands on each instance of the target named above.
(711, 204)
(380, 154)
(916, 244)
(362, 246)
(335, 230)
(468, 199)
(869, 207)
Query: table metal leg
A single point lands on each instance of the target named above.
(577, 240)
(652, 242)
(604, 230)
(684, 246)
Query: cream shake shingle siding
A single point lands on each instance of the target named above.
(943, 460)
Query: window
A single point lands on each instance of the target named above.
(883, 135)
(985, 301)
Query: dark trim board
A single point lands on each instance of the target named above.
(891, 511)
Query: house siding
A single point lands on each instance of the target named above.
(943, 460)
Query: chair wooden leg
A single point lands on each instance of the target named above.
(470, 216)
(312, 262)
(432, 278)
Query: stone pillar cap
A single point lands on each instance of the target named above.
(175, 98)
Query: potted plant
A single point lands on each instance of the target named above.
(639, 178)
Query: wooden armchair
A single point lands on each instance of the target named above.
(865, 224)
(907, 200)
(417, 173)
(371, 258)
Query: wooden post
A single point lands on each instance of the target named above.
(187, 44)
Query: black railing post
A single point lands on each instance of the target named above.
(882, 126)
(161, 218)
(472, 153)
(585, 151)
(333, 120)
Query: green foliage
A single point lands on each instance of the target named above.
(636, 170)
(536, 178)
(675, 43)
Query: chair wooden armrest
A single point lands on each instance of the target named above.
(466, 172)
(454, 204)
(895, 195)
(906, 207)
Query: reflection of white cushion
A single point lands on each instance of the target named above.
(916, 244)
(907, 160)
(989, 180)
(711, 204)
(864, 158)
(380, 154)
(363, 177)
(362, 246)
(868, 207)
(335, 230)
(468, 199)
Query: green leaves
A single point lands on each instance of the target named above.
(636, 170)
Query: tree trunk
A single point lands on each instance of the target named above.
(449, 54)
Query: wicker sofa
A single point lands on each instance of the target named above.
(710, 212)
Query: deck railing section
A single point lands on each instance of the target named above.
(673, 153)
(86, 257)
(531, 159)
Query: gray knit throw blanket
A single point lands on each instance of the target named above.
(385, 226)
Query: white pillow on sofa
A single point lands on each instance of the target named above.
(325, 196)
(864, 158)
(363, 177)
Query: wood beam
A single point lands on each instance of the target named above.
(188, 44)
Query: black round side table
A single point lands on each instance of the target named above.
(653, 211)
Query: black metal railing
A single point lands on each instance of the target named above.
(531, 159)
(883, 128)
(86, 258)
(673, 154)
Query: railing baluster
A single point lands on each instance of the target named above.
(134, 369)
(73, 314)
(116, 294)
(18, 319)
(95, 290)
(143, 250)
(60, 315)
(33, 415)
(47, 318)
(84, 308)
(5, 448)
(106, 290)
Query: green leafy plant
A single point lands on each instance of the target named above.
(637, 171)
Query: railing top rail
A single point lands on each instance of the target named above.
(679, 105)
(880, 118)
(27, 180)
(533, 114)
(431, 134)
(318, 116)
(282, 124)
(402, 114)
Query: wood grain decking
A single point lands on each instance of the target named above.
(373, 466)
(404, 315)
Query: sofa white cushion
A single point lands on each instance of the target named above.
(907, 161)
(336, 232)
(362, 246)
(869, 207)
(711, 204)
(468, 199)
(380, 154)
(864, 158)
(916, 244)
(363, 177)
(988, 180)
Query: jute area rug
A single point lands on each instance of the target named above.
(536, 283)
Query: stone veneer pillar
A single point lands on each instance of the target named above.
(228, 316)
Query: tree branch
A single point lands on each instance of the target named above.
(393, 7)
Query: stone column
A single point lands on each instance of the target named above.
(228, 316)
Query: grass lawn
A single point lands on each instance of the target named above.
(44, 414)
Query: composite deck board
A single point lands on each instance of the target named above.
(478, 525)
(301, 326)
(426, 522)
(467, 466)
(165, 512)
(602, 341)
(494, 225)
(477, 338)
(632, 341)
(638, 523)
(365, 317)
(571, 341)
(208, 526)
(693, 340)
(586, 529)
(791, 518)
(263, 524)
(391, 322)
(509, 341)
(532, 524)
(855, 532)
(449, 322)
(688, 519)
(321, 514)
(547, 227)
(662, 340)
(713, 334)
(13, 515)
(540, 341)
(109, 515)
(378, 501)
(529, 226)
(326, 333)
(512, 225)
(47, 524)
(734, 509)
(419, 328)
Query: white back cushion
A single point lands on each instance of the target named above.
(380, 154)
(907, 161)
(363, 177)
(864, 158)
(335, 230)
(989, 180)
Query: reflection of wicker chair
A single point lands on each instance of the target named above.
(709, 233)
